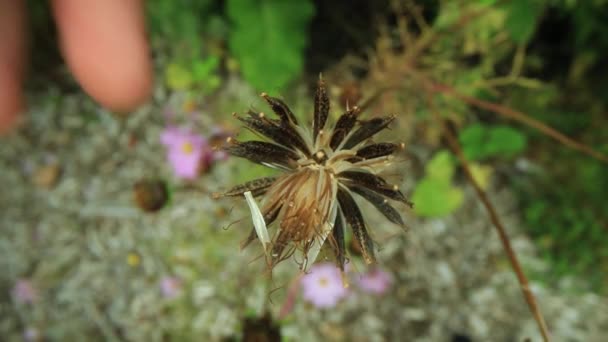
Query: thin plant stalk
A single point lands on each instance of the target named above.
(504, 239)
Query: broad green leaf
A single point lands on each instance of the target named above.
(268, 38)
(480, 142)
(506, 141)
(441, 167)
(482, 174)
(522, 19)
(435, 197)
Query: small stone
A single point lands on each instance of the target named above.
(46, 176)
(150, 195)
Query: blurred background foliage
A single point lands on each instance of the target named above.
(545, 58)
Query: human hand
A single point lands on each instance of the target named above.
(103, 42)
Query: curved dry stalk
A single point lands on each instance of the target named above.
(505, 111)
(504, 239)
(521, 117)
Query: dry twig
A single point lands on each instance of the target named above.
(504, 239)
(520, 117)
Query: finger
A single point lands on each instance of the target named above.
(104, 44)
(12, 52)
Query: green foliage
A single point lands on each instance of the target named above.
(268, 38)
(480, 142)
(178, 22)
(179, 28)
(200, 74)
(522, 19)
(435, 195)
(565, 212)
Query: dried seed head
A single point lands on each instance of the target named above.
(323, 168)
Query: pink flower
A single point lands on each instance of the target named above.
(170, 287)
(31, 334)
(375, 281)
(323, 285)
(187, 152)
(24, 291)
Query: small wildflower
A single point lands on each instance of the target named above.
(186, 151)
(170, 287)
(25, 292)
(375, 281)
(323, 286)
(31, 334)
(133, 259)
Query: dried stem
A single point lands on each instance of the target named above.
(506, 112)
(521, 277)
(290, 300)
(520, 117)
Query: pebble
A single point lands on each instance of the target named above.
(46, 176)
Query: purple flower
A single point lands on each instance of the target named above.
(24, 291)
(323, 285)
(187, 152)
(31, 334)
(170, 287)
(375, 281)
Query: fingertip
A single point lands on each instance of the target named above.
(11, 107)
(12, 49)
(105, 45)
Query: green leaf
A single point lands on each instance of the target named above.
(505, 141)
(441, 167)
(471, 138)
(268, 38)
(480, 142)
(178, 77)
(205, 68)
(522, 19)
(435, 197)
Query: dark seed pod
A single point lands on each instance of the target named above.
(150, 195)
(262, 152)
(283, 135)
(380, 203)
(343, 126)
(321, 111)
(378, 150)
(281, 109)
(256, 186)
(368, 129)
(355, 220)
(374, 183)
(339, 243)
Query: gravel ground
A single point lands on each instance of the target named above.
(94, 260)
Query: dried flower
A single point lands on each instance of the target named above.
(375, 281)
(186, 151)
(25, 292)
(322, 168)
(170, 287)
(323, 285)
